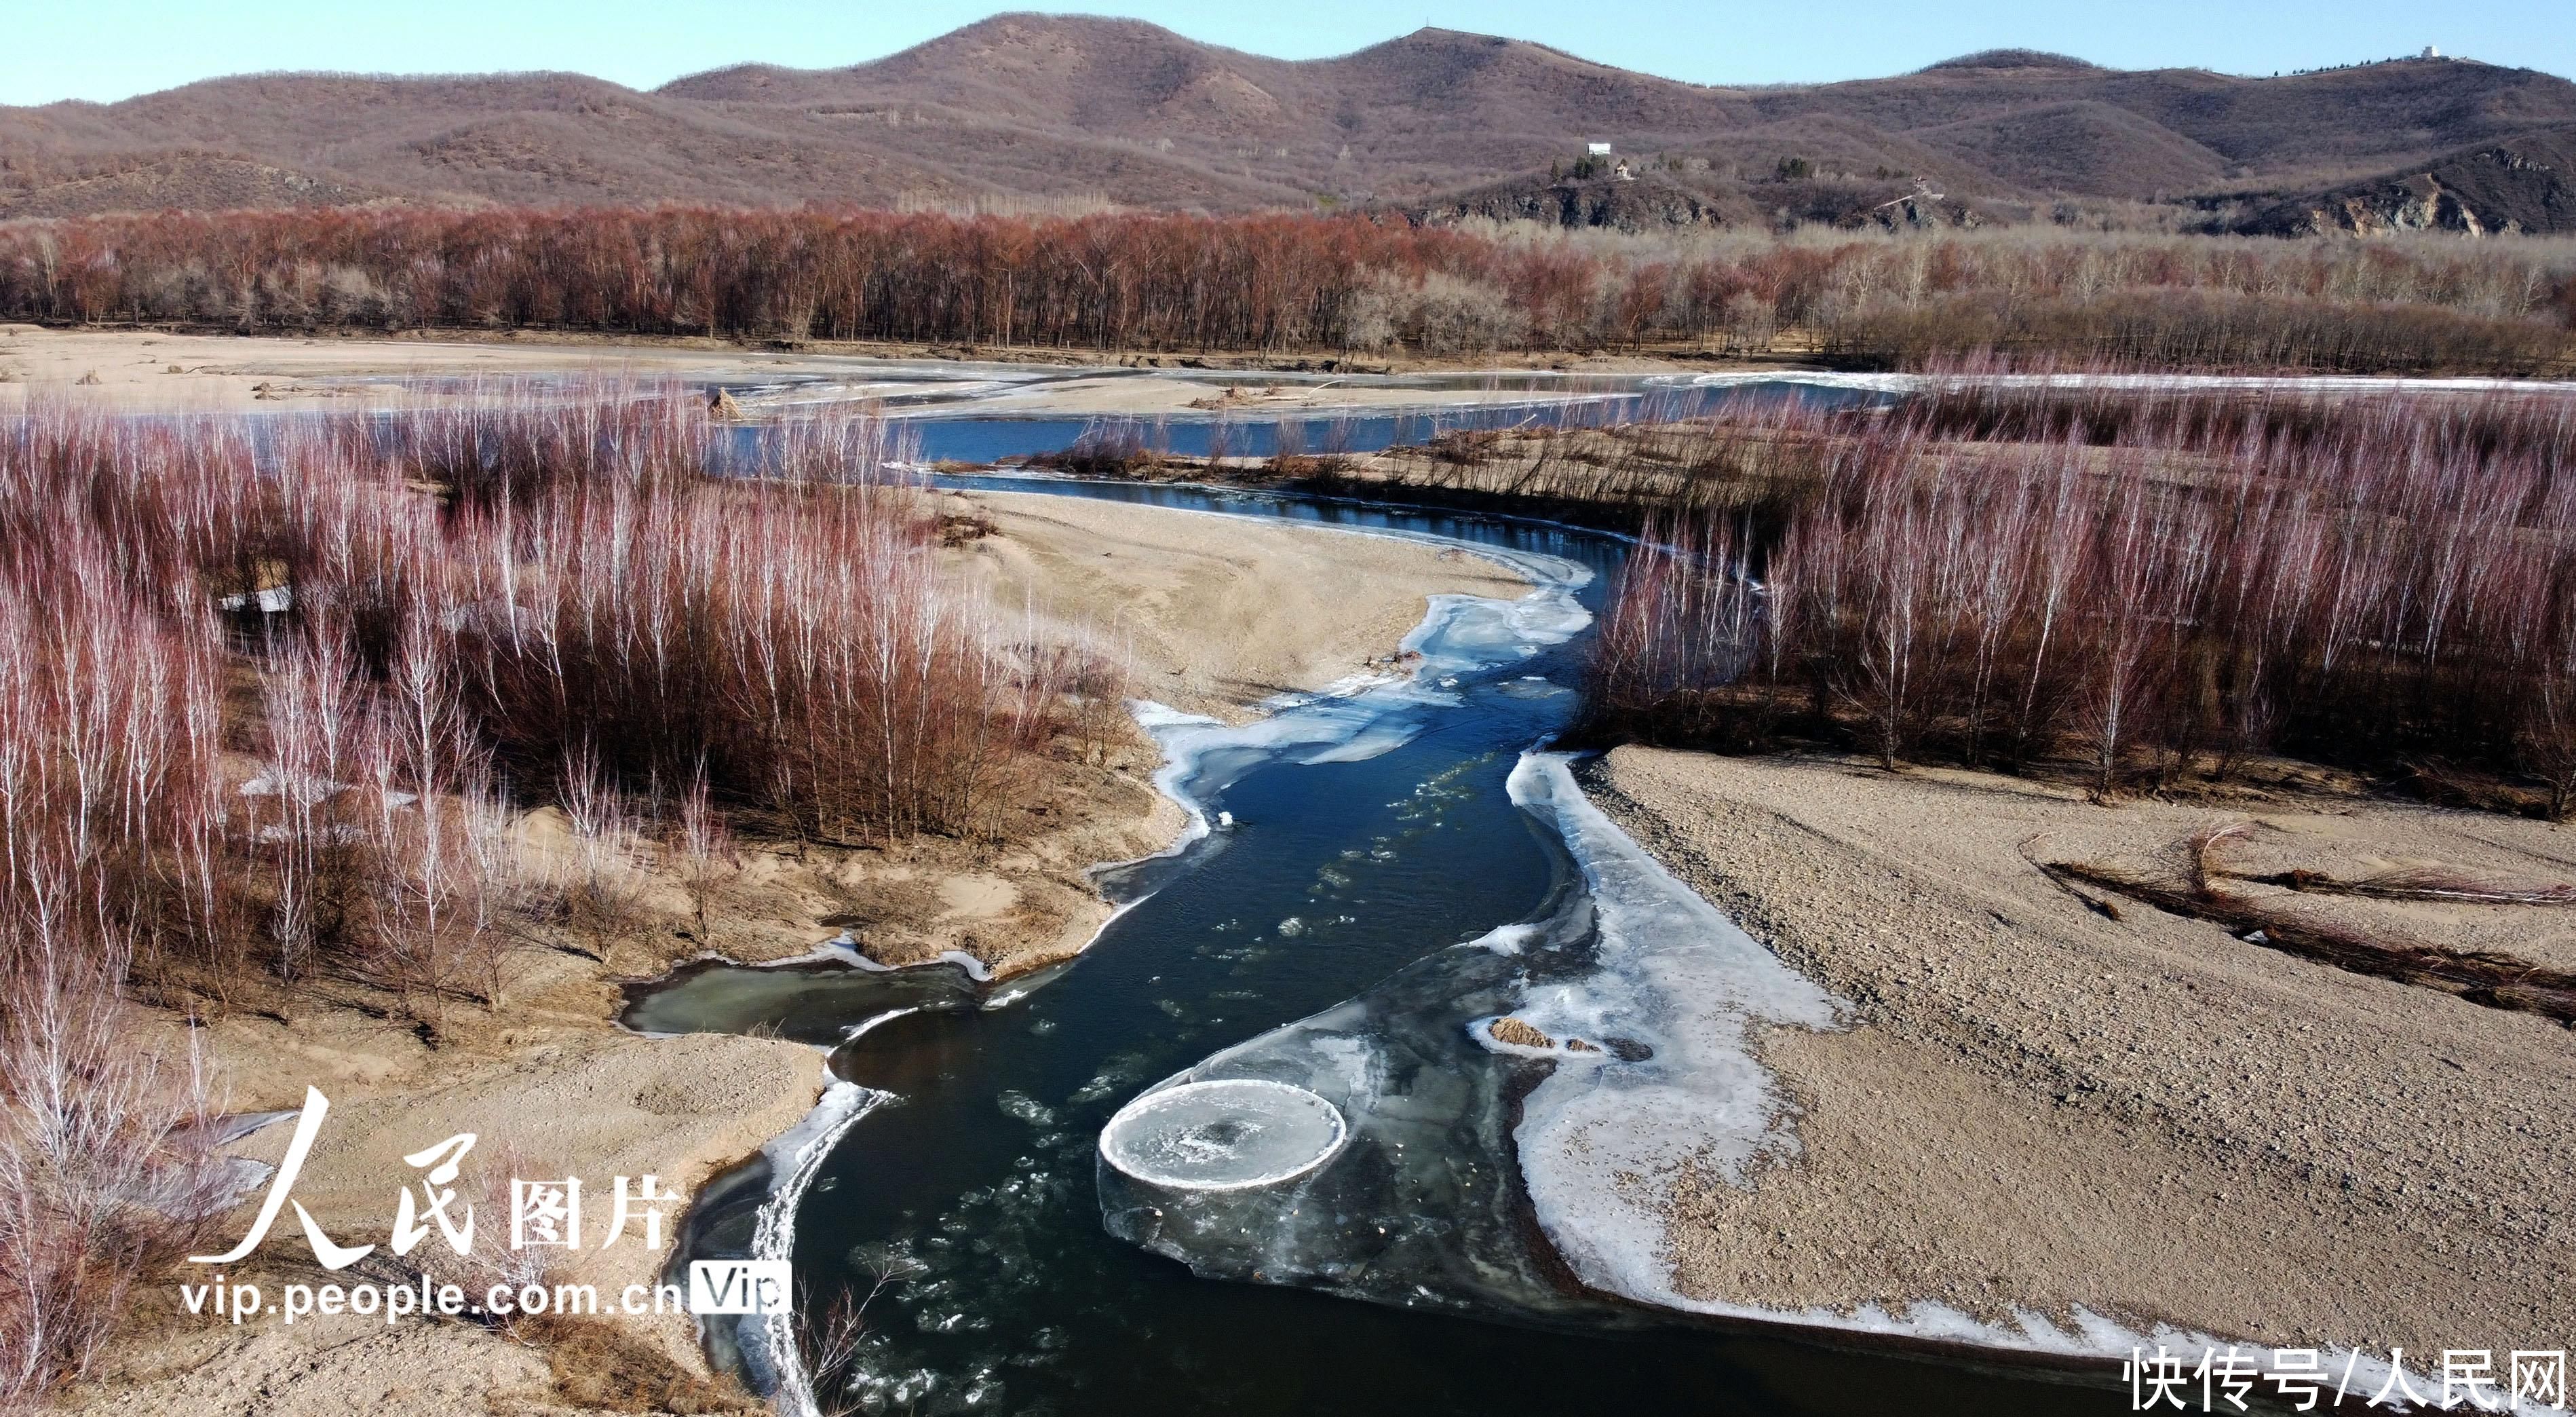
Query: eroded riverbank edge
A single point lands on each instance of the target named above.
(2041, 1119)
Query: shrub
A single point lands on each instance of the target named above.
(2141, 577)
(267, 707)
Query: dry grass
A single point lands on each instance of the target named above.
(598, 1366)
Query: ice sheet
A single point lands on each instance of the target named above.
(2296, 383)
(795, 1157)
(1233, 1134)
(1676, 981)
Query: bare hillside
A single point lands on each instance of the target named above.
(1021, 109)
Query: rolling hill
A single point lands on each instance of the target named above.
(1021, 110)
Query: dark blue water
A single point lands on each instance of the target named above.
(973, 1195)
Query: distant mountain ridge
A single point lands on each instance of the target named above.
(1025, 109)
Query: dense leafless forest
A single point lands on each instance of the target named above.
(1275, 284)
(271, 700)
(2137, 587)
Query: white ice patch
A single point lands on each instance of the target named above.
(1228, 1135)
(1374, 742)
(1021, 1107)
(795, 1157)
(976, 969)
(1602, 1147)
(867, 1025)
(2301, 383)
(840, 949)
(1510, 939)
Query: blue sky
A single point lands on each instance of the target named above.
(109, 49)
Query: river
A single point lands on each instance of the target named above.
(1375, 889)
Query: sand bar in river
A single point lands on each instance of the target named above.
(2038, 1107)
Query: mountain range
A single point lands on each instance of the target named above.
(1025, 112)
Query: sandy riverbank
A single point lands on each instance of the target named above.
(1209, 614)
(147, 370)
(1206, 626)
(2038, 1107)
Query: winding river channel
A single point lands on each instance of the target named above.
(1382, 871)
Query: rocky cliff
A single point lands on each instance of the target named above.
(2524, 184)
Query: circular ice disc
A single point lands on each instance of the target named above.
(1226, 1135)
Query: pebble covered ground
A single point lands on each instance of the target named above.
(2037, 1107)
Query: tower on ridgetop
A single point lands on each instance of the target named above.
(2431, 51)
